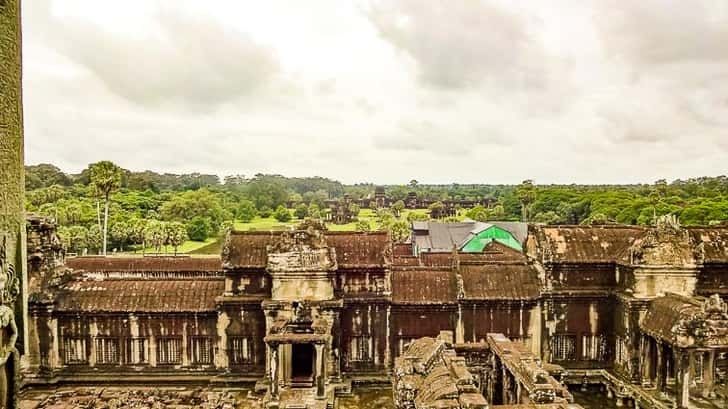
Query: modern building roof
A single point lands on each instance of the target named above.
(431, 236)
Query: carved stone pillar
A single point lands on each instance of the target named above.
(708, 373)
(222, 356)
(320, 372)
(13, 297)
(274, 371)
(646, 359)
(661, 378)
(682, 378)
(505, 392)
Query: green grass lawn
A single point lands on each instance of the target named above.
(264, 224)
(187, 247)
(212, 245)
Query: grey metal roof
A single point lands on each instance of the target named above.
(442, 237)
(519, 230)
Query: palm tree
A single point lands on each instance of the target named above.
(526, 193)
(105, 178)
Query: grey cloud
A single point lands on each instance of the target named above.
(664, 31)
(426, 136)
(461, 43)
(191, 62)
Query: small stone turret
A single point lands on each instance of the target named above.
(45, 254)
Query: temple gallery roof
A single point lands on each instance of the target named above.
(687, 322)
(517, 281)
(579, 244)
(249, 250)
(150, 296)
(667, 243)
(498, 272)
(473, 282)
(145, 264)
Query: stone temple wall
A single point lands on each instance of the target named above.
(12, 224)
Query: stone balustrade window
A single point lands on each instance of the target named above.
(361, 349)
(169, 351)
(563, 347)
(240, 350)
(698, 367)
(74, 351)
(136, 351)
(201, 350)
(593, 347)
(621, 351)
(107, 351)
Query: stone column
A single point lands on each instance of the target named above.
(221, 357)
(460, 328)
(661, 377)
(13, 270)
(646, 360)
(152, 349)
(682, 378)
(708, 375)
(320, 372)
(506, 386)
(273, 348)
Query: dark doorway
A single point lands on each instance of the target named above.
(302, 365)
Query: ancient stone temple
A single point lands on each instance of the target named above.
(13, 339)
(307, 314)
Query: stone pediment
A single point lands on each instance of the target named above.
(666, 244)
(308, 235)
(301, 250)
(303, 260)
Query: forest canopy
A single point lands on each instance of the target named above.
(150, 209)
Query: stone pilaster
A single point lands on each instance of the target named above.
(12, 222)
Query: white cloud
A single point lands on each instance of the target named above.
(480, 91)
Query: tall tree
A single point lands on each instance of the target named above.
(526, 193)
(176, 234)
(105, 178)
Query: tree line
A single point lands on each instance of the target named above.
(148, 210)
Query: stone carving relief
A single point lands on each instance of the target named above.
(309, 235)
(665, 244)
(707, 327)
(303, 249)
(9, 282)
(9, 290)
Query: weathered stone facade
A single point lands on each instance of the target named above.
(12, 239)
(316, 310)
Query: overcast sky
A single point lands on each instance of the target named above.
(560, 91)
